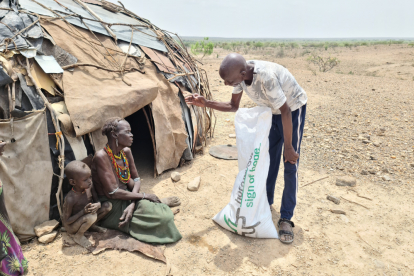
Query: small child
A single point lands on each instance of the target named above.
(80, 210)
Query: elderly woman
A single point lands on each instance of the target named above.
(11, 256)
(144, 216)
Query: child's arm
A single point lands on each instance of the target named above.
(67, 211)
(94, 207)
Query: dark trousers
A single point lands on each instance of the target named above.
(291, 171)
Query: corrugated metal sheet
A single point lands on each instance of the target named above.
(122, 32)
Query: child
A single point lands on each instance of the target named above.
(80, 210)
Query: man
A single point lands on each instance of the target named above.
(269, 84)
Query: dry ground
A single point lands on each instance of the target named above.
(359, 123)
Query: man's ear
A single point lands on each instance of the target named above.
(72, 182)
(114, 135)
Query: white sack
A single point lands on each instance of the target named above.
(248, 213)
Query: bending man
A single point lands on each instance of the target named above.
(269, 84)
(144, 216)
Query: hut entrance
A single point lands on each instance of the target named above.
(142, 148)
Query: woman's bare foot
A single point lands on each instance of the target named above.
(171, 201)
(81, 240)
(95, 228)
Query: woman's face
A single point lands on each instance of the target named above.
(124, 135)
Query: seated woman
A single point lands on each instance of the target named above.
(115, 178)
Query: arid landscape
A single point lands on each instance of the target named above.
(359, 123)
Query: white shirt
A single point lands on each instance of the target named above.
(272, 86)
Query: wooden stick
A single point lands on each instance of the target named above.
(363, 240)
(181, 74)
(99, 67)
(97, 17)
(153, 142)
(360, 195)
(355, 202)
(315, 181)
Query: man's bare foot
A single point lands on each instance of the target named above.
(81, 240)
(171, 201)
(285, 231)
(95, 228)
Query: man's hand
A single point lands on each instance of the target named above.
(196, 99)
(153, 198)
(127, 215)
(290, 155)
(94, 207)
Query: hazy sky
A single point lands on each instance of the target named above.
(280, 19)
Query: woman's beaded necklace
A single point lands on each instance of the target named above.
(122, 172)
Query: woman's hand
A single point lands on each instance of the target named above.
(152, 198)
(127, 215)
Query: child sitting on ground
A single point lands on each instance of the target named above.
(82, 208)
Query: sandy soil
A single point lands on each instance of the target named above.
(359, 123)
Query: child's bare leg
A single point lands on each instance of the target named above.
(79, 227)
(102, 212)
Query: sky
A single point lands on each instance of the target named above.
(280, 18)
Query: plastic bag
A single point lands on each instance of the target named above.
(248, 213)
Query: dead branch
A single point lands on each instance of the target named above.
(360, 195)
(315, 181)
(355, 202)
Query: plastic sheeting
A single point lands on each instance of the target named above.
(14, 22)
(143, 37)
(26, 172)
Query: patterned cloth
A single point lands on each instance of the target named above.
(272, 86)
(11, 256)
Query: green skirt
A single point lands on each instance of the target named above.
(151, 222)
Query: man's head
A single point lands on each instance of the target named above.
(233, 69)
(79, 175)
(118, 128)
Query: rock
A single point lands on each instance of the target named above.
(372, 171)
(373, 157)
(346, 181)
(385, 170)
(232, 135)
(333, 199)
(46, 227)
(344, 218)
(393, 157)
(386, 178)
(48, 238)
(364, 172)
(63, 229)
(412, 165)
(175, 176)
(194, 184)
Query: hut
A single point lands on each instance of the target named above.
(66, 66)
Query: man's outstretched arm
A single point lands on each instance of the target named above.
(289, 153)
(232, 106)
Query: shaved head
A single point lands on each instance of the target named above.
(232, 63)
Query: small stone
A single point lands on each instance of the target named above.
(46, 227)
(63, 229)
(393, 157)
(372, 171)
(385, 170)
(333, 199)
(194, 184)
(373, 157)
(175, 176)
(366, 141)
(386, 178)
(412, 165)
(344, 218)
(232, 135)
(48, 238)
(364, 172)
(346, 181)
